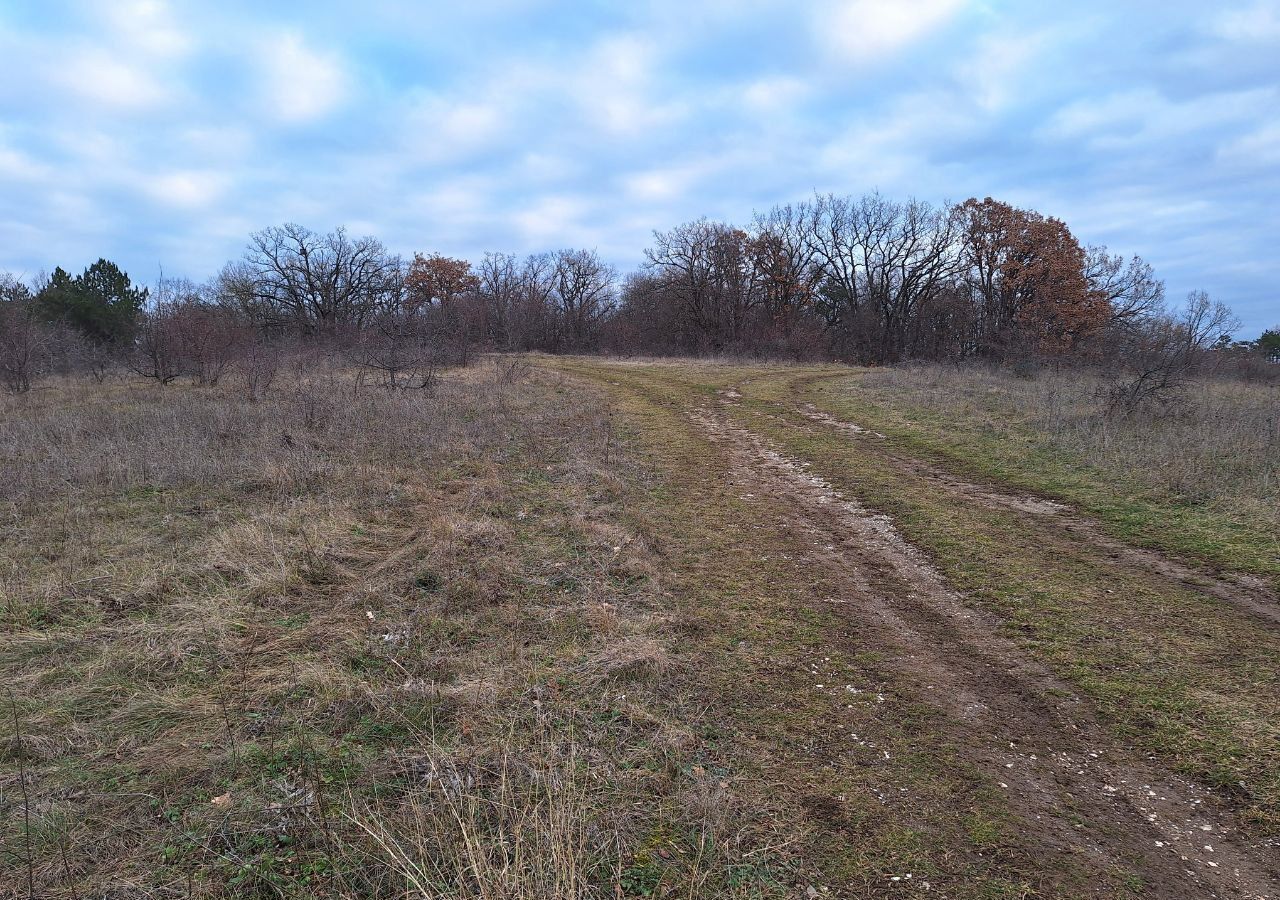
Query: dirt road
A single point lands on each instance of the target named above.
(1077, 789)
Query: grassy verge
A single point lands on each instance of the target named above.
(1201, 480)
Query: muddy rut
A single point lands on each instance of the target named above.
(1074, 786)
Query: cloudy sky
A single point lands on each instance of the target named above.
(160, 134)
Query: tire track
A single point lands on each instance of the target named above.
(1245, 592)
(1013, 717)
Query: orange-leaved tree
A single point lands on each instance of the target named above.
(1027, 274)
(438, 280)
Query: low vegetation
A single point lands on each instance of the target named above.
(1177, 665)
(340, 641)
(1200, 474)
(533, 631)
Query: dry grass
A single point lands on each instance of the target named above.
(1217, 444)
(81, 438)
(509, 831)
(338, 642)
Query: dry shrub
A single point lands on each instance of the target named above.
(604, 619)
(82, 439)
(511, 369)
(506, 829)
(258, 368)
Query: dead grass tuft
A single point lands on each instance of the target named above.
(498, 829)
(633, 658)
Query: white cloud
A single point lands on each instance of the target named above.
(862, 31)
(1258, 148)
(129, 64)
(145, 26)
(1144, 116)
(93, 151)
(459, 200)
(225, 143)
(1120, 112)
(666, 182)
(300, 84)
(890, 149)
(774, 95)
(1258, 22)
(540, 167)
(616, 87)
(527, 127)
(553, 221)
(104, 78)
(437, 128)
(16, 166)
(993, 73)
(611, 86)
(468, 123)
(365, 228)
(185, 189)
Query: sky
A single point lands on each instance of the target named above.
(160, 134)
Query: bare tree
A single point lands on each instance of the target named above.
(1163, 353)
(211, 339)
(399, 350)
(1206, 323)
(681, 265)
(1129, 287)
(207, 335)
(888, 274)
(405, 341)
(534, 324)
(583, 294)
(157, 350)
(840, 233)
(647, 318)
(909, 261)
(499, 290)
(318, 284)
(25, 342)
(787, 261)
(706, 272)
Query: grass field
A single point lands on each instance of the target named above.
(573, 628)
(1200, 476)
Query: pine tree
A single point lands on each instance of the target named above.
(101, 303)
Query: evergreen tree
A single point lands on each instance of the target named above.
(101, 303)
(1269, 343)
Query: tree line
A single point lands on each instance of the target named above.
(876, 281)
(861, 279)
